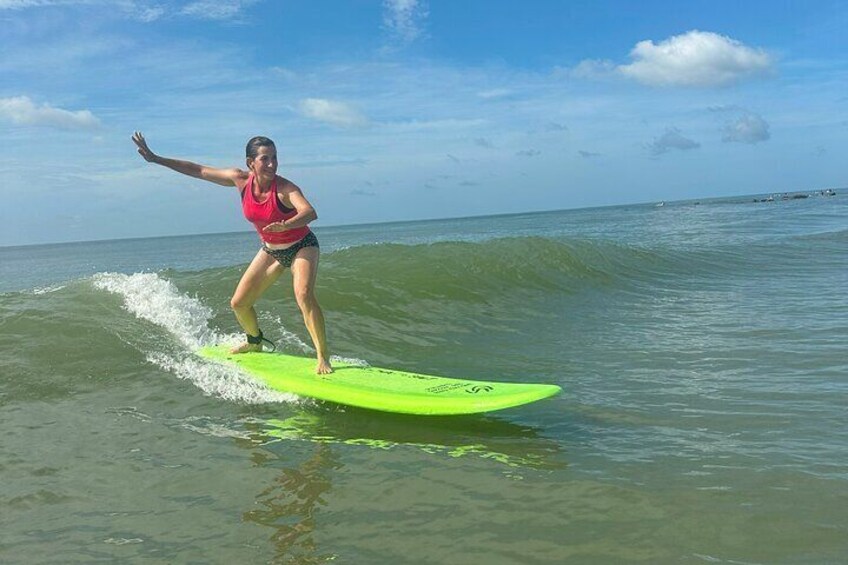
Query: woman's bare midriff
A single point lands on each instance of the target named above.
(279, 245)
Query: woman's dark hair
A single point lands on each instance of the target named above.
(252, 149)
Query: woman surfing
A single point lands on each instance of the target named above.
(281, 215)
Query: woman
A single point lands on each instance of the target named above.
(281, 215)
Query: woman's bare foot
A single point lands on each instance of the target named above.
(323, 367)
(246, 347)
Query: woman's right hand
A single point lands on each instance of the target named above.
(143, 149)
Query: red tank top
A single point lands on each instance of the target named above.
(270, 210)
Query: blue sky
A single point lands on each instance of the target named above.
(403, 109)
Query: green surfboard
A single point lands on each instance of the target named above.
(381, 389)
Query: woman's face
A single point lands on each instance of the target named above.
(264, 165)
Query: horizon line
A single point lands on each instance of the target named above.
(391, 222)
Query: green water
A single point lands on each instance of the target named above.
(701, 349)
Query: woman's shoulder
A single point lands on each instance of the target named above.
(285, 186)
(240, 178)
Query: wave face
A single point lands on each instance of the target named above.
(71, 337)
(386, 302)
(519, 295)
(441, 306)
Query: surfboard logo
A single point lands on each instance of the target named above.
(476, 389)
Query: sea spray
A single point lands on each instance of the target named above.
(288, 339)
(157, 300)
(154, 299)
(220, 380)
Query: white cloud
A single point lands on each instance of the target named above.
(21, 110)
(671, 139)
(404, 18)
(695, 58)
(589, 69)
(742, 126)
(23, 4)
(332, 112)
(216, 9)
(748, 128)
(144, 13)
(284, 73)
(133, 9)
(494, 93)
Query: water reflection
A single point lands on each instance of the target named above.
(290, 504)
(455, 436)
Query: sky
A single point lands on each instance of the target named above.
(393, 110)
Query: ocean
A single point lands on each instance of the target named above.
(702, 348)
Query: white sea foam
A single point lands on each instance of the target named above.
(288, 338)
(220, 380)
(47, 289)
(292, 341)
(157, 300)
(349, 361)
(122, 541)
(154, 299)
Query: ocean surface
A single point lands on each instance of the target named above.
(702, 349)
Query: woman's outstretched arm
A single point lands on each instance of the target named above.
(224, 177)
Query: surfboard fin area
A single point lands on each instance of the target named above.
(381, 389)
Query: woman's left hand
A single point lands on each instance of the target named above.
(276, 227)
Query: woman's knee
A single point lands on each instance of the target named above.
(240, 302)
(305, 297)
